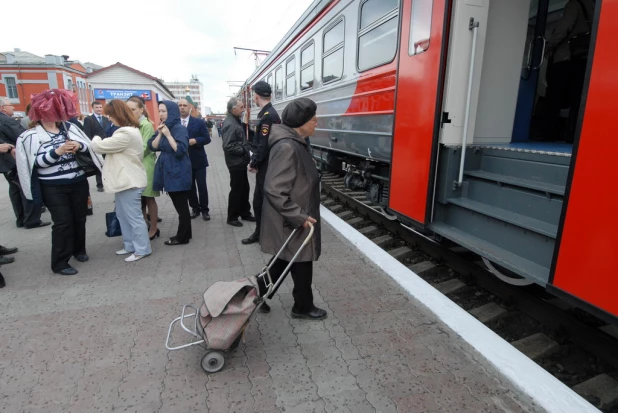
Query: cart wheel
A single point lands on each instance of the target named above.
(212, 362)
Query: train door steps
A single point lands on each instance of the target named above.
(513, 218)
(518, 182)
(495, 254)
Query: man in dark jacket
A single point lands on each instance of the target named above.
(27, 212)
(259, 162)
(96, 125)
(198, 138)
(236, 151)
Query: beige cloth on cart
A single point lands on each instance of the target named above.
(226, 310)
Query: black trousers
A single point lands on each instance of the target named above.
(99, 180)
(238, 202)
(258, 198)
(302, 275)
(566, 84)
(27, 212)
(180, 201)
(68, 205)
(199, 185)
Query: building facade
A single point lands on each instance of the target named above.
(120, 81)
(193, 88)
(23, 74)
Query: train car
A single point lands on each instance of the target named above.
(439, 109)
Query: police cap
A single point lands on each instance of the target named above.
(262, 89)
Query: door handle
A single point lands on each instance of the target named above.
(542, 55)
(334, 139)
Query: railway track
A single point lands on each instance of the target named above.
(575, 347)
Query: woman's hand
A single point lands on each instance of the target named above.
(68, 147)
(6, 147)
(309, 221)
(164, 129)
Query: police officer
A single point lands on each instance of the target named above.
(259, 162)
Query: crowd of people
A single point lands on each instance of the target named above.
(48, 165)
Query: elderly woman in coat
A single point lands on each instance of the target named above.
(292, 189)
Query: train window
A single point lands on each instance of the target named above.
(420, 27)
(269, 80)
(279, 83)
(307, 69)
(373, 10)
(332, 59)
(377, 36)
(290, 72)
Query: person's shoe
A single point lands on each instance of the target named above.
(43, 209)
(135, 257)
(206, 217)
(89, 212)
(100, 189)
(2, 283)
(249, 218)
(265, 309)
(315, 314)
(235, 223)
(252, 239)
(195, 214)
(7, 251)
(123, 252)
(174, 241)
(82, 257)
(67, 271)
(6, 260)
(39, 225)
(156, 234)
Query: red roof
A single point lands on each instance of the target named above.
(118, 64)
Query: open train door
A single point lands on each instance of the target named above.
(417, 106)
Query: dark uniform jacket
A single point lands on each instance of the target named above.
(235, 144)
(196, 128)
(267, 117)
(10, 129)
(292, 189)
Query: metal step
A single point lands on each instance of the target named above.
(545, 168)
(519, 182)
(513, 218)
(533, 204)
(495, 254)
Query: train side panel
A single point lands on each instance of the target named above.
(416, 110)
(587, 261)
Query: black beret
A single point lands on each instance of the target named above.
(262, 89)
(298, 112)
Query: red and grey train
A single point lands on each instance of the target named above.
(431, 107)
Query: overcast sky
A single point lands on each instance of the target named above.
(169, 40)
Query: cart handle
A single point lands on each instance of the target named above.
(272, 287)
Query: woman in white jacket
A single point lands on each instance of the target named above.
(124, 175)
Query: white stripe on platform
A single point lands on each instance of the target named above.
(543, 388)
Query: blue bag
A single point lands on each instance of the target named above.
(113, 226)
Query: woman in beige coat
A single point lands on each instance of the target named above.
(292, 192)
(125, 176)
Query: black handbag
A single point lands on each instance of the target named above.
(113, 225)
(579, 45)
(85, 162)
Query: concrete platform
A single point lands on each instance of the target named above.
(95, 342)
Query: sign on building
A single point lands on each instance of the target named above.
(122, 94)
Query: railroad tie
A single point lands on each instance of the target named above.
(369, 231)
(488, 312)
(537, 346)
(450, 286)
(602, 388)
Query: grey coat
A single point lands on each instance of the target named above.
(572, 23)
(292, 194)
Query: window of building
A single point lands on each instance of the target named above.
(377, 36)
(420, 27)
(290, 73)
(11, 87)
(332, 58)
(307, 69)
(279, 83)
